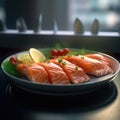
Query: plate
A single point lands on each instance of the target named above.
(72, 89)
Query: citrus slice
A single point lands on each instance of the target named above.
(36, 55)
(24, 58)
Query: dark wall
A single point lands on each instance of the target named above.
(31, 9)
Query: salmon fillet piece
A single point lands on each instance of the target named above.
(75, 73)
(99, 57)
(89, 65)
(34, 72)
(56, 73)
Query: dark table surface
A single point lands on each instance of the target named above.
(101, 104)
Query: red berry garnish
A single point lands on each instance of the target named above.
(13, 60)
(65, 51)
(59, 52)
(54, 52)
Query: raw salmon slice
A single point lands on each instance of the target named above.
(34, 72)
(75, 73)
(56, 73)
(99, 57)
(89, 65)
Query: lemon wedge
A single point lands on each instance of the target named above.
(24, 58)
(36, 55)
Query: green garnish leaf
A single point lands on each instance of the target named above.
(11, 68)
(63, 63)
(76, 67)
(76, 54)
(82, 51)
(58, 46)
(60, 60)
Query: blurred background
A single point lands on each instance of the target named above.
(63, 11)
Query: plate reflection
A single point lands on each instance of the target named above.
(73, 103)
